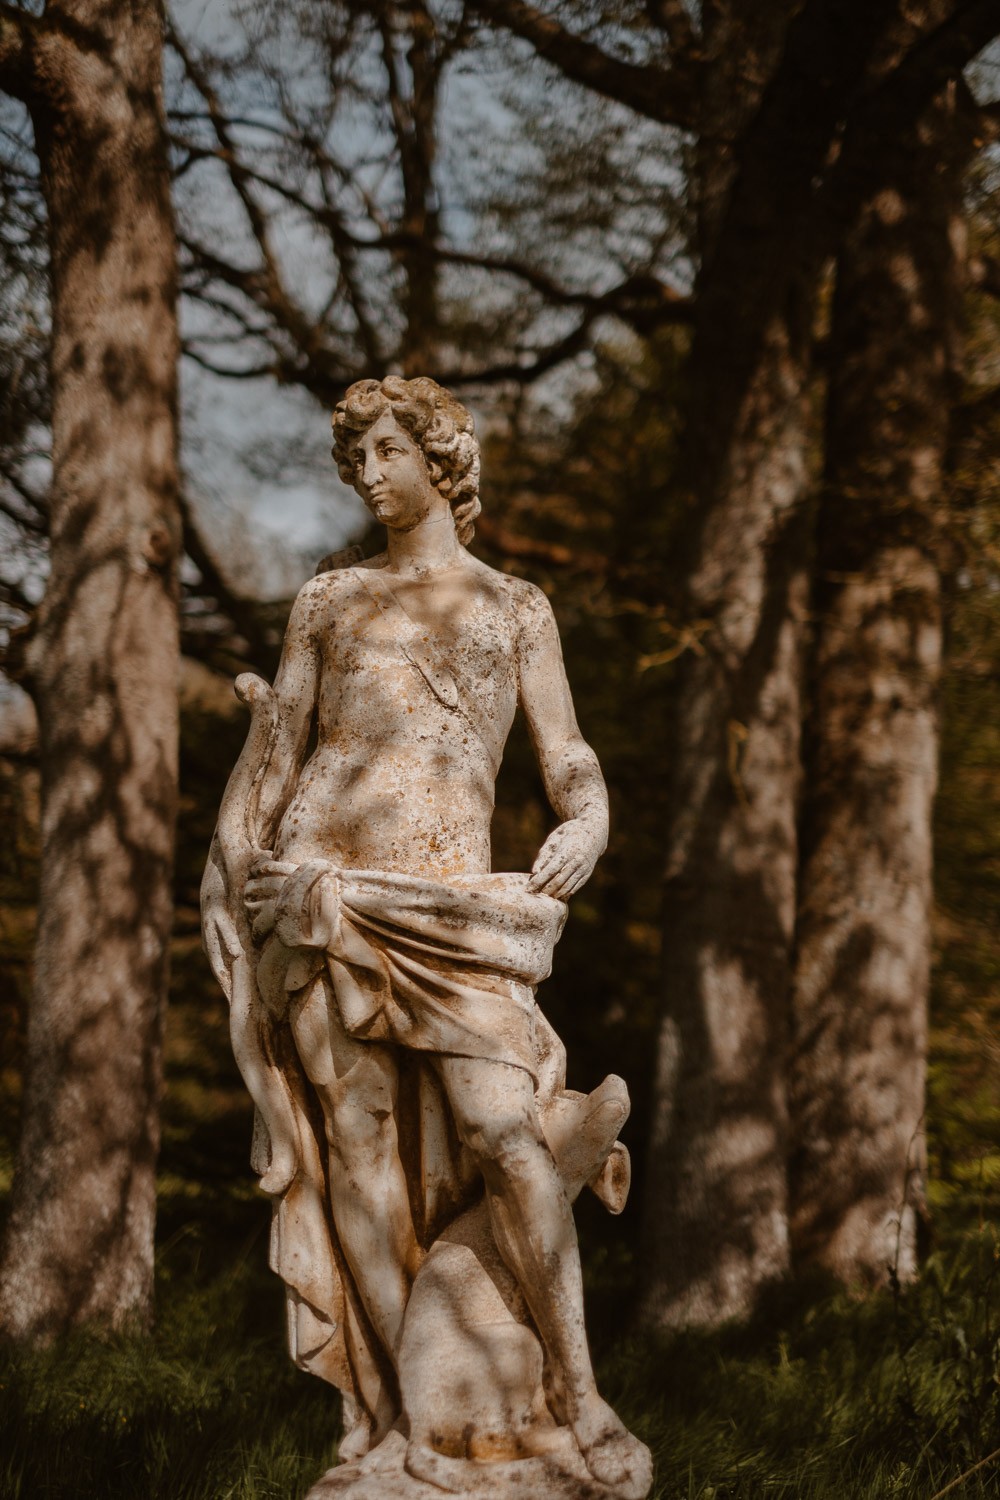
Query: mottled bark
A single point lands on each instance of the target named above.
(856, 1091)
(414, 112)
(103, 664)
(716, 1228)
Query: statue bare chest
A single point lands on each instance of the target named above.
(372, 688)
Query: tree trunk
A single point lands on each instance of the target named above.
(715, 1225)
(863, 935)
(103, 664)
(414, 118)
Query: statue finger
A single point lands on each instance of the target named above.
(551, 884)
(550, 857)
(216, 942)
(570, 878)
(267, 865)
(543, 875)
(213, 948)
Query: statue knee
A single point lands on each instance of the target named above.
(504, 1138)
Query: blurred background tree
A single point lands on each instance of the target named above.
(100, 653)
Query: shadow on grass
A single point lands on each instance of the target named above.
(208, 1407)
(822, 1396)
(828, 1397)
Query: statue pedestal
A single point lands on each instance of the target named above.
(471, 1370)
(382, 1476)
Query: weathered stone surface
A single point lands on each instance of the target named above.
(383, 1476)
(414, 1127)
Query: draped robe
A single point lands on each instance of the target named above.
(427, 968)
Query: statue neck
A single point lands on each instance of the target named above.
(427, 547)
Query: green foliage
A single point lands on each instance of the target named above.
(827, 1396)
(963, 1105)
(823, 1397)
(206, 1408)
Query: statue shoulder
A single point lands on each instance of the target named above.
(318, 595)
(531, 603)
(517, 593)
(337, 572)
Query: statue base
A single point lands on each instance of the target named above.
(382, 1475)
(471, 1365)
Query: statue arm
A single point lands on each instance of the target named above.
(231, 890)
(570, 772)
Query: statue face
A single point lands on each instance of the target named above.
(390, 475)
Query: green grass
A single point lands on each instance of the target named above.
(829, 1397)
(823, 1396)
(208, 1405)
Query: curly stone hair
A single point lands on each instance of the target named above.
(440, 425)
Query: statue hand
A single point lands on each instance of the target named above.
(267, 876)
(566, 860)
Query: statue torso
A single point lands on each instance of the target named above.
(398, 780)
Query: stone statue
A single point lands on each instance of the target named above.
(413, 1126)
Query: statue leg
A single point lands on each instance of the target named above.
(357, 1085)
(532, 1222)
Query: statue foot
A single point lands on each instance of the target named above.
(355, 1444)
(452, 1475)
(613, 1455)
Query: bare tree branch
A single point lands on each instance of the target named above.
(272, 368)
(243, 612)
(272, 293)
(346, 251)
(642, 301)
(516, 544)
(937, 58)
(524, 372)
(674, 18)
(665, 95)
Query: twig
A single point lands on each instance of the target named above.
(968, 1474)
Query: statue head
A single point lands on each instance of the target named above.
(439, 424)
